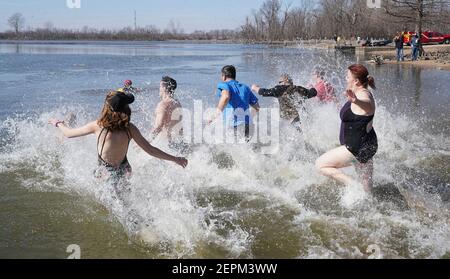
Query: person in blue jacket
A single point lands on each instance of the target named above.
(415, 47)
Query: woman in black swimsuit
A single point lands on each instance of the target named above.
(114, 132)
(358, 138)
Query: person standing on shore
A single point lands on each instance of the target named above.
(415, 47)
(407, 37)
(399, 40)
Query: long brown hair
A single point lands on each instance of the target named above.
(111, 120)
(361, 73)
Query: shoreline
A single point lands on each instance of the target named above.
(112, 42)
(437, 56)
(308, 43)
(427, 64)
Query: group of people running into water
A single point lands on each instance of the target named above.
(358, 140)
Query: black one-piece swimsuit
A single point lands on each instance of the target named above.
(354, 134)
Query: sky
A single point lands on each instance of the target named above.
(114, 14)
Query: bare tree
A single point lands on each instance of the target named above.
(270, 13)
(248, 30)
(259, 23)
(174, 29)
(285, 18)
(417, 11)
(296, 24)
(275, 20)
(49, 26)
(16, 21)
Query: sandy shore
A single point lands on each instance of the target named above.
(424, 63)
(437, 56)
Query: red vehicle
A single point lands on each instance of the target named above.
(447, 39)
(428, 37)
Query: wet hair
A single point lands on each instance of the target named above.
(170, 84)
(229, 71)
(361, 73)
(286, 78)
(112, 120)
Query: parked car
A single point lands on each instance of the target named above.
(428, 37)
(447, 39)
(383, 42)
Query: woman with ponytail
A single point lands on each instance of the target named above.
(357, 137)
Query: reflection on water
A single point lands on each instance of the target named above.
(104, 48)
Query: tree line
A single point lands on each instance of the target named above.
(277, 20)
(48, 31)
(126, 34)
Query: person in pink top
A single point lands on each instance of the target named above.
(325, 91)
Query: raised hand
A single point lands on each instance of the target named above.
(351, 96)
(183, 162)
(255, 88)
(55, 122)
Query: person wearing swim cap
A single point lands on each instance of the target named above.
(128, 88)
(114, 131)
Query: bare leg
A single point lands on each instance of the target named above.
(365, 172)
(330, 163)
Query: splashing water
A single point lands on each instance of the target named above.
(234, 202)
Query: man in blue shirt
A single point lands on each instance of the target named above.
(235, 101)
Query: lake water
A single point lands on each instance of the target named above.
(264, 206)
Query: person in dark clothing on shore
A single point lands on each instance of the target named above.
(399, 40)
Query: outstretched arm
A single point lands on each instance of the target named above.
(153, 151)
(306, 93)
(254, 104)
(272, 92)
(74, 133)
(362, 100)
(256, 107)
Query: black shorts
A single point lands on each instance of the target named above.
(367, 149)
